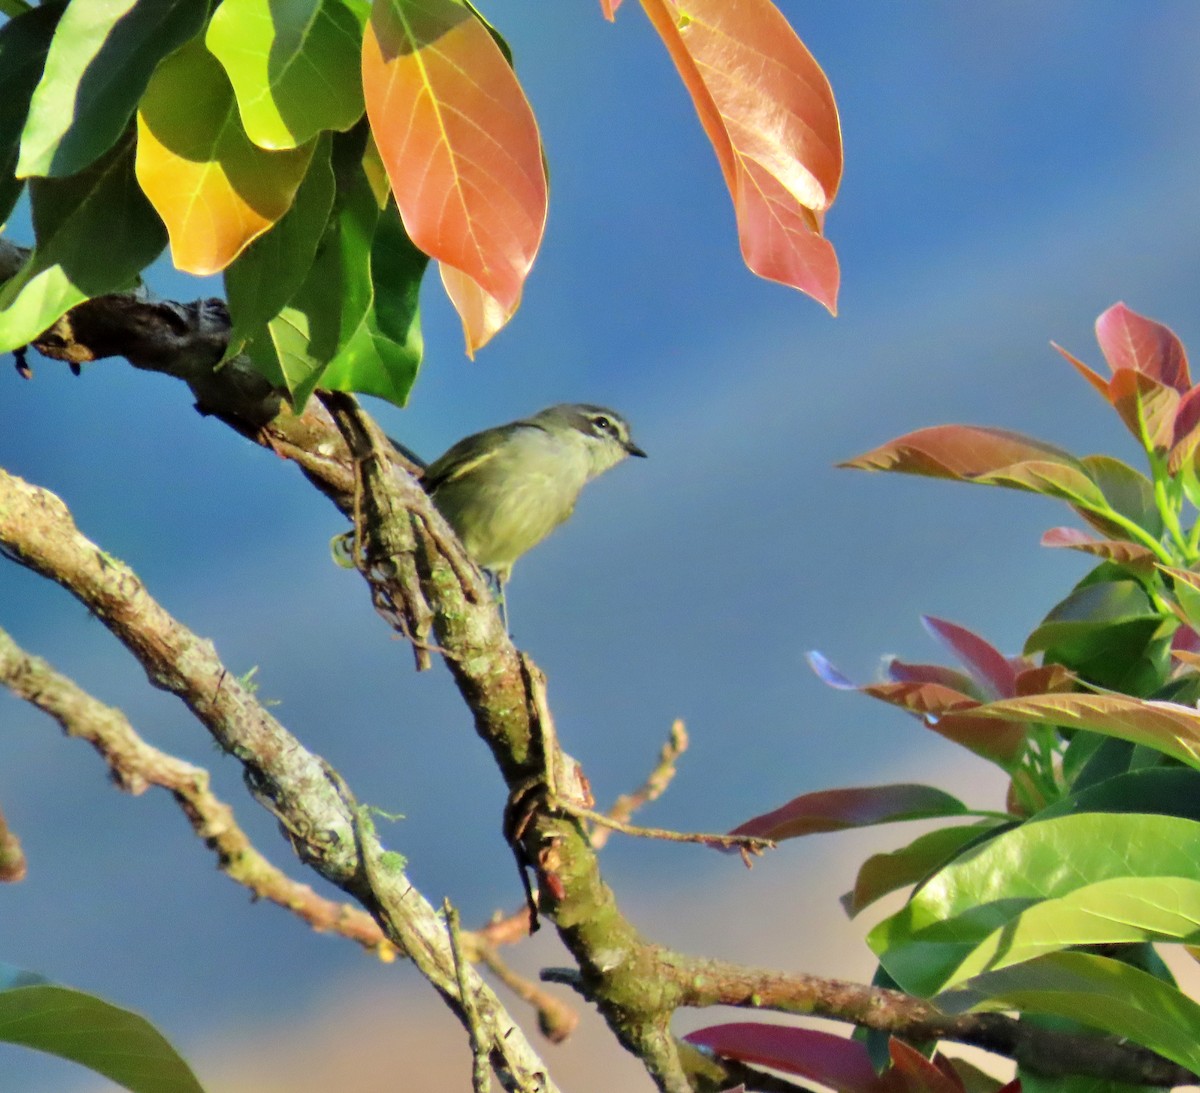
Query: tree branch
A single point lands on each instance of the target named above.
(326, 827)
(136, 765)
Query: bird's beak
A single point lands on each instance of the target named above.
(633, 449)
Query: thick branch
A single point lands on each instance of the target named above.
(136, 765)
(326, 827)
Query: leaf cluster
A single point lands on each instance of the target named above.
(320, 153)
(1056, 907)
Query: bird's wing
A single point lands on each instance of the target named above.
(469, 453)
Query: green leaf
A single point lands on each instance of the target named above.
(1098, 992)
(95, 232)
(294, 67)
(884, 873)
(87, 1030)
(382, 357)
(1109, 633)
(1110, 912)
(1167, 791)
(269, 272)
(989, 889)
(99, 64)
(1127, 491)
(24, 42)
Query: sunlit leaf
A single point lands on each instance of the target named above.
(1164, 726)
(1110, 912)
(884, 873)
(24, 42)
(1115, 550)
(1129, 340)
(95, 231)
(834, 1061)
(294, 66)
(972, 453)
(768, 110)
(990, 887)
(482, 315)
(1097, 991)
(920, 698)
(87, 1030)
(460, 144)
(839, 809)
(215, 190)
(99, 64)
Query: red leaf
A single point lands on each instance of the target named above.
(834, 1061)
(999, 742)
(902, 672)
(984, 661)
(1115, 550)
(768, 110)
(1185, 430)
(919, 1074)
(839, 809)
(460, 144)
(1129, 340)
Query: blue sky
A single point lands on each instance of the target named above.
(1011, 170)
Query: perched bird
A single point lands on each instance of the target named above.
(505, 489)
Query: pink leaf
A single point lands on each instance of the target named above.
(839, 809)
(1129, 340)
(834, 1061)
(986, 663)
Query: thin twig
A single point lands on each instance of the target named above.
(652, 788)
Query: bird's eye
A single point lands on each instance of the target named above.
(603, 424)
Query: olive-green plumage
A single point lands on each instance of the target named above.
(505, 489)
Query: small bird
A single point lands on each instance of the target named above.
(505, 489)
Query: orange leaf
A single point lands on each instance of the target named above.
(960, 451)
(215, 191)
(1147, 406)
(482, 315)
(609, 8)
(461, 148)
(769, 112)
